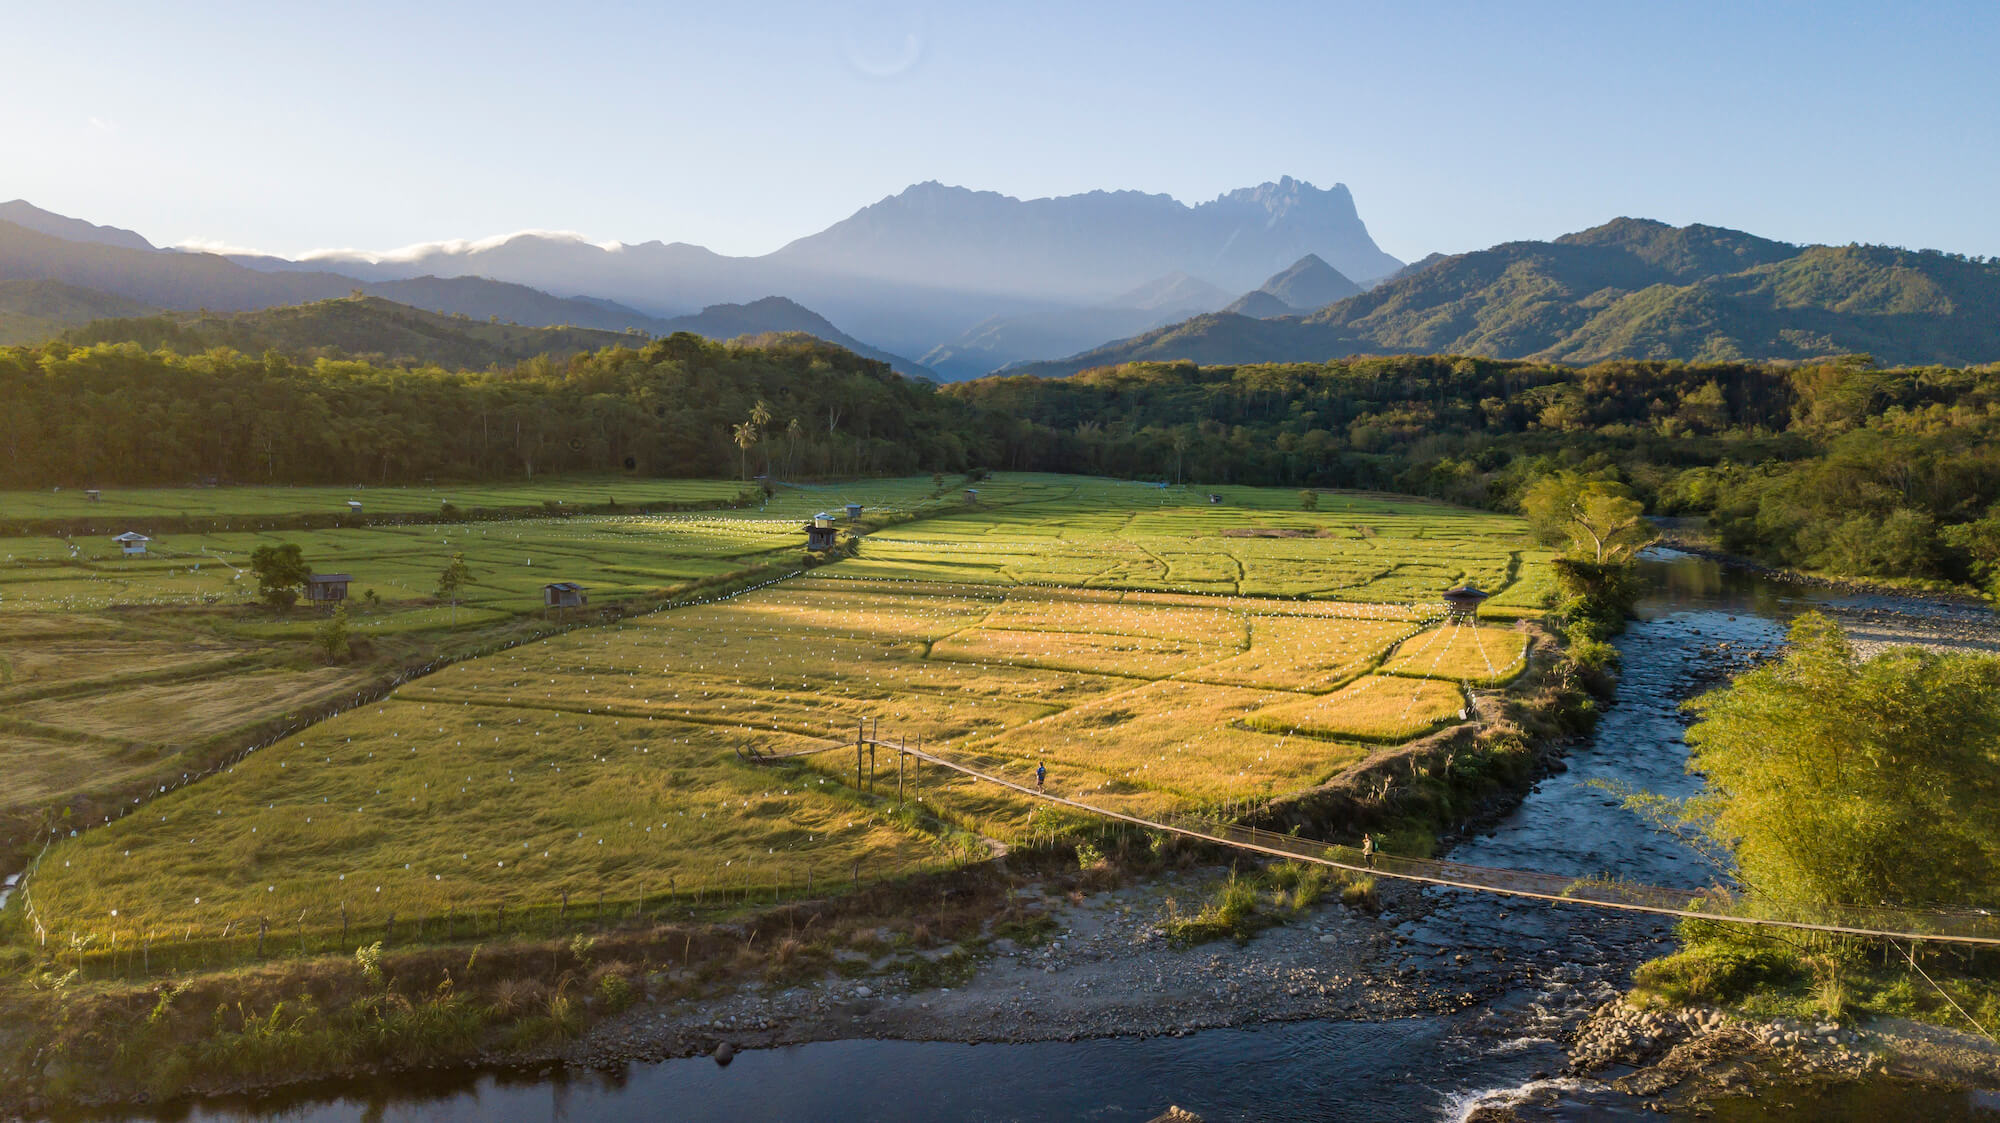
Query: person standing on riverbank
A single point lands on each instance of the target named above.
(1041, 774)
(1368, 850)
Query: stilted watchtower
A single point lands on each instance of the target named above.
(1462, 603)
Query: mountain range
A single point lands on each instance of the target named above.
(59, 273)
(1631, 288)
(923, 269)
(975, 278)
(975, 282)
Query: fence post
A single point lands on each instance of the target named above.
(343, 924)
(263, 926)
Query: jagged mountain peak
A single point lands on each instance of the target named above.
(1285, 194)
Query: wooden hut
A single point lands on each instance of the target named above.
(854, 510)
(354, 506)
(132, 542)
(1463, 602)
(820, 533)
(92, 494)
(563, 594)
(327, 588)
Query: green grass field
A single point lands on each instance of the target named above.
(251, 500)
(1121, 635)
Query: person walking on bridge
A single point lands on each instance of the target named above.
(1368, 850)
(1041, 774)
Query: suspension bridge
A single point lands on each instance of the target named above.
(1973, 927)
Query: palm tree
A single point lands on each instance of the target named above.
(745, 435)
(760, 419)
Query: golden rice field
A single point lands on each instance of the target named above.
(610, 760)
(121, 674)
(606, 760)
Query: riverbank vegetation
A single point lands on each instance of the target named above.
(71, 1037)
(1244, 905)
(1833, 783)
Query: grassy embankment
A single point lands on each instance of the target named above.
(602, 764)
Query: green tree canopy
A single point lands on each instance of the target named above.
(1837, 781)
(281, 571)
(455, 576)
(1596, 519)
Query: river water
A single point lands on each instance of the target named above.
(1534, 971)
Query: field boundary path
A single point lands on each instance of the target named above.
(1974, 927)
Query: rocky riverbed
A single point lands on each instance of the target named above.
(1685, 1060)
(1103, 967)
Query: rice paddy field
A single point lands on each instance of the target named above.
(1155, 651)
(616, 556)
(115, 671)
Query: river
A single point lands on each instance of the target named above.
(1497, 1052)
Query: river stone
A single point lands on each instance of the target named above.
(724, 1053)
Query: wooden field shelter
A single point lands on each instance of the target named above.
(820, 534)
(327, 588)
(1463, 602)
(563, 594)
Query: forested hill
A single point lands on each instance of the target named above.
(386, 333)
(366, 328)
(121, 414)
(31, 311)
(1628, 289)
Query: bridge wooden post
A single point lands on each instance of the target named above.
(900, 754)
(860, 736)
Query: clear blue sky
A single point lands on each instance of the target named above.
(740, 125)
